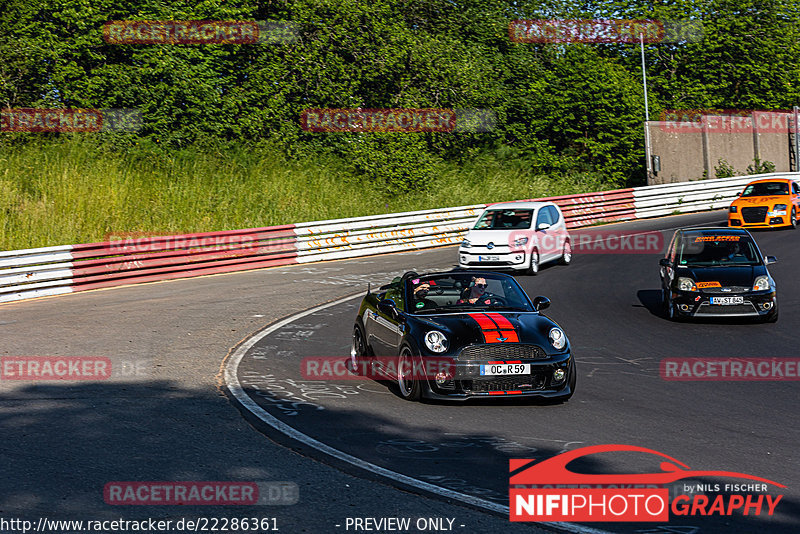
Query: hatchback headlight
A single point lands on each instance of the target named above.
(779, 207)
(761, 283)
(557, 338)
(436, 341)
(686, 284)
(520, 241)
(732, 209)
(466, 243)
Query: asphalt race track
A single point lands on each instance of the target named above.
(363, 451)
(608, 305)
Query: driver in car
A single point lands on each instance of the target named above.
(420, 294)
(475, 293)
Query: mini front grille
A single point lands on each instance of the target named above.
(506, 383)
(754, 215)
(501, 351)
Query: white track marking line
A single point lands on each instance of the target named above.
(232, 382)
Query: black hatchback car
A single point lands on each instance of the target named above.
(462, 334)
(717, 272)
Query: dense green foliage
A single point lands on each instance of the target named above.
(562, 110)
(560, 107)
(80, 191)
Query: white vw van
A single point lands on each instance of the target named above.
(518, 236)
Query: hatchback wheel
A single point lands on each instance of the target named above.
(668, 307)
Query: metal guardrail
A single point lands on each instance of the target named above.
(64, 269)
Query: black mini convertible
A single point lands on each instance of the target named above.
(459, 335)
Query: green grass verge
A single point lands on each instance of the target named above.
(73, 191)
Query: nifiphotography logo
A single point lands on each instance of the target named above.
(548, 491)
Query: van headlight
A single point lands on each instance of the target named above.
(436, 341)
(761, 283)
(557, 338)
(686, 284)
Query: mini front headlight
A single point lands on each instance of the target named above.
(686, 284)
(436, 341)
(761, 283)
(557, 338)
(466, 243)
(732, 209)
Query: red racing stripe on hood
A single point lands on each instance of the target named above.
(495, 328)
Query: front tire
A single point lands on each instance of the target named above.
(794, 219)
(359, 352)
(668, 308)
(566, 254)
(410, 389)
(533, 268)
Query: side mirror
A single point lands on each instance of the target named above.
(769, 260)
(664, 262)
(543, 226)
(739, 194)
(387, 307)
(541, 303)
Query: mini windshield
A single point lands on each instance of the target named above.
(465, 291)
(505, 219)
(766, 189)
(700, 250)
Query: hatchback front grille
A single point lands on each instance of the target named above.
(732, 290)
(735, 309)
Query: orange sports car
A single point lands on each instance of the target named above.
(766, 203)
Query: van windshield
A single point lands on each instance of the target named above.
(505, 219)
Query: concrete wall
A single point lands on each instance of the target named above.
(680, 150)
(691, 149)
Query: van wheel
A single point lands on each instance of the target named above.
(566, 254)
(533, 268)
